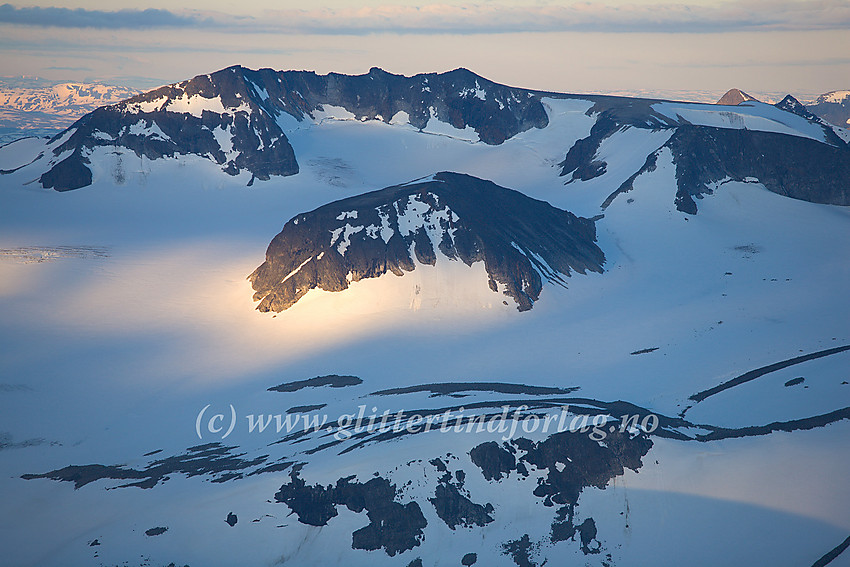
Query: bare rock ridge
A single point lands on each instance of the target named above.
(795, 167)
(447, 217)
(734, 97)
(233, 116)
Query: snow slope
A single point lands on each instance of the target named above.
(749, 115)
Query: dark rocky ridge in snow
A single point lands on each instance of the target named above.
(795, 167)
(707, 157)
(457, 216)
(218, 116)
(237, 119)
(460, 98)
(232, 116)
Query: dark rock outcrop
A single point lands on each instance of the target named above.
(464, 218)
(581, 159)
(790, 165)
(460, 98)
(452, 504)
(331, 380)
(521, 551)
(796, 167)
(69, 174)
(220, 463)
(573, 461)
(392, 526)
(221, 117)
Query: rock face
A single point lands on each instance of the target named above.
(219, 116)
(707, 155)
(453, 216)
(234, 117)
(734, 97)
(460, 98)
(795, 167)
(572, 462)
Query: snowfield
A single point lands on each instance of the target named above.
(750, 115)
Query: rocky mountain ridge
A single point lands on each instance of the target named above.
(447, 217)
(239, 119)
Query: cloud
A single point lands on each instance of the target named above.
(485, 18)
(757, 15)
(80, 18)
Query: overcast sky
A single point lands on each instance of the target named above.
(640, 45)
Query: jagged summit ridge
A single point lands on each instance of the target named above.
(244, 121)
(446, 217)
(237, 117)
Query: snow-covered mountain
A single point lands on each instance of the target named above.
(394, 401)
(447, 216)
(64, 99)
(735, 97)
(834, 107)
(239, 119)
(51, 108)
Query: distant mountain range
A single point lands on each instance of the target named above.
(46, 109)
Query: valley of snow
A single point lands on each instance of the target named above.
(109, 356)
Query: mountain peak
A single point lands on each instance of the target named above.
(791, 104)
(734, 97)
(236, 116)
(434, 220)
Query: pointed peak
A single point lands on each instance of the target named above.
(735, 97)
(791, 104)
